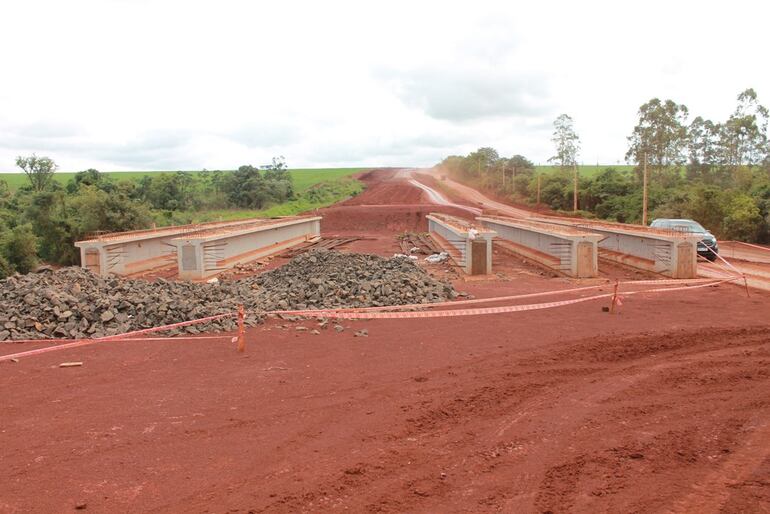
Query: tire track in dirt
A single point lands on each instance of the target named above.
(508, 439)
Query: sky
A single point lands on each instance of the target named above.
(168, 84)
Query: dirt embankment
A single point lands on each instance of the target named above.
(389, 205)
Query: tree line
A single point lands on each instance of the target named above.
(41, 220)
(717, 172)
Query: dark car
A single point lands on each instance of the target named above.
(707, 246)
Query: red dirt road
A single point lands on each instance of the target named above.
(662, 407)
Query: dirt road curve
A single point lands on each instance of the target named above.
(662, 407)
(477, 198)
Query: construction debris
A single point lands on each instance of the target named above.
(246, 268)
(326, 243)
(437, 258)
(412, 243)
(75, 303)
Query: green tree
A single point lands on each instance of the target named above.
(556, 189)
(744, 135)
(90, 177)
(18, 247)
(566, 141)
(660, 134)
(95, 210)
(246, 188)
(478, 163)
(704, 151)
(170, 191)
(743, 219)
(39, 170)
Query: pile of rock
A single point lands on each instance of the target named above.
(74, 303)
(323, 279)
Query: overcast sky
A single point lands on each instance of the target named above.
(166, 84)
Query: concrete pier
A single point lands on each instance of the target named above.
(469, 245)
(206, 253)
(565, 249)
(670, 253)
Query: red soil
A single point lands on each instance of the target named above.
(662, 407)
(389, 205)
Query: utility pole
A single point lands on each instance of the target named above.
(575, 189)
(644, 191)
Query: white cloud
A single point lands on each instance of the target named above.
(118, 84)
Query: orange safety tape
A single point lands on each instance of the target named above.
(486, 310)
(457, 312)
(320, 312)
(116, 337)
(686, 288)
(438, 304)
(364, 315)
(751, 245)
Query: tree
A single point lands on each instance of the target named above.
(479, 162)
(744, 135)
(90, 177)
(94, 210)
(660, 135)
(567, 142)
(743, 219)
(39, 170)
(5, 193)
(18, 248)
(704, 150)
(170, 191)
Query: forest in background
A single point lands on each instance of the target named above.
(40, 220)
(717, 173)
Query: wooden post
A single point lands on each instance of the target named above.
(644, 192)
(538, 190)
(241, 330)
(575, 189)
(614, 297)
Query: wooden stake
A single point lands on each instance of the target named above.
(241, 330)
(575, 189)
(538, 190)
(644, 192)
(614, 298)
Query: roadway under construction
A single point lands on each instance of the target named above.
(535, 389)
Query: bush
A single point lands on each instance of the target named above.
(743, 219)
(6, 270)
(18, 248)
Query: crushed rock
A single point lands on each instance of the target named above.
(75, 303)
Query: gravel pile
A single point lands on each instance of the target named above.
(74, 303)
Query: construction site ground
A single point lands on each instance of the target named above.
(661, 406)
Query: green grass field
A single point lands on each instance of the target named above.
(303, 178)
